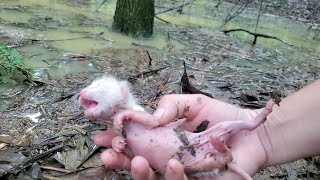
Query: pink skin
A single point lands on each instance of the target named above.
(211, 152)
(142, 138)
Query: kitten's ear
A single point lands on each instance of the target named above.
(124, 88)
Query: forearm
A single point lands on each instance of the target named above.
(292, 131)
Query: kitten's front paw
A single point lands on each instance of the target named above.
(118, 123)
(118, 126)
(118, 143)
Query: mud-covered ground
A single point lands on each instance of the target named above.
(62, 122)
(307, 11)
(58, 144)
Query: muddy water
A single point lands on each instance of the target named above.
(305, 41)
(64, 29)
(50, 32)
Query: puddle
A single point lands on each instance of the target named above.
(74, 26)
(48, 32)
(66, 27)
(305, 40)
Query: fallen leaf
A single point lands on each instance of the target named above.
(5, 138)
(187, 87)
(79, 128)
(24, 141)
(2, 145)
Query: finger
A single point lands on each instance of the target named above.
(105, 138)
(115, 160)
(141, 170)
(180, 106)
(175, 170)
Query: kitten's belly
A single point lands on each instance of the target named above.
(157, 145)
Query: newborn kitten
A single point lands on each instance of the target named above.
(139, 135)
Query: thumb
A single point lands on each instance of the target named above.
(179, 106)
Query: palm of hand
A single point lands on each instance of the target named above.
(246, 147)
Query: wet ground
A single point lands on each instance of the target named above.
(69, 43)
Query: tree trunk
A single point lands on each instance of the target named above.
(134, 17)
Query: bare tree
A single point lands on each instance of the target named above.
(238, 7)
(134, 17)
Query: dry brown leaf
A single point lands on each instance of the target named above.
(5, 138)
(24, 141)
(79, 128)
(2, 145)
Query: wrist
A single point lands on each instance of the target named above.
(274, 136)
(262, 136)
(291, 131)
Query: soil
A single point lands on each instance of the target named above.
(306, 11)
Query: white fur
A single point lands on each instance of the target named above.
(111, 94)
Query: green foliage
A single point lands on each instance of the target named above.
(12, 66)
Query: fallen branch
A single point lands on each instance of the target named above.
(15, 170)
(256, 35)
(218, 4)
(162, 20)
(56, 169)
(93, 150)
(146, 46)
(68, 39)
(134, 77)
(242, 7)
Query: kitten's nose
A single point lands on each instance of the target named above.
(81, 96)
(82, 92)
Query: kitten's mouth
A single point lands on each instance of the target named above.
(87, 103)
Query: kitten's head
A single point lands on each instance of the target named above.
(104, 98)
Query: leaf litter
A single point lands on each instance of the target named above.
(60, 146)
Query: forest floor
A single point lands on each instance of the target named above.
(44, 134)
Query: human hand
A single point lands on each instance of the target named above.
(247, 150)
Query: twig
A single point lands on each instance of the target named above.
(47, 140)
(136, 44)
(218, 4)
(150, 59)
(170, 9)
(56, 169)
(134, 77)
(48, 40)
(258, 18)
(256, 35)
(67, 39)
(46, 62)
(168, 36)
(230, 16)
(30, 161)
(93, 150)
(162, 20)
(101, 5)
